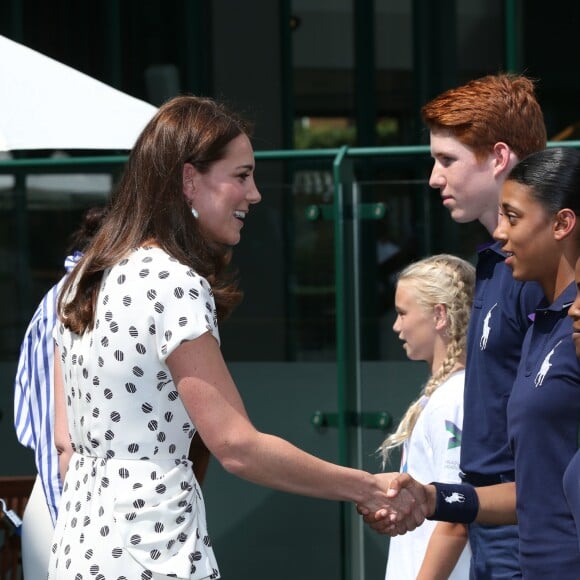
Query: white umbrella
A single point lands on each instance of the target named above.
(45, 104)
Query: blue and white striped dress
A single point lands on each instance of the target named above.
(33, 392)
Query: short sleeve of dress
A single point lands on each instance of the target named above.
(183, 307)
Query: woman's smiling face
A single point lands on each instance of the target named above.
(525, 229)
(222, 196)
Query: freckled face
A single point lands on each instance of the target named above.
(467, 185)
(526, 230)
(223, 195)
(574, 312)
(414, 324)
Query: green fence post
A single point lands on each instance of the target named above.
(347, 355)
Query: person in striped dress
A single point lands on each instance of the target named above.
(34, 411)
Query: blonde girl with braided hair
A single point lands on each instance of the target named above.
(433, 299)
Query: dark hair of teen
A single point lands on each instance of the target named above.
(553, 176)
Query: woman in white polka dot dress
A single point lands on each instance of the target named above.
(138, 368)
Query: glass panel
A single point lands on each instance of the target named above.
(286, 267)
(258, 328)
(415, 225)
(35, 225)
(37, 216)
(286, 259)
(312, 286)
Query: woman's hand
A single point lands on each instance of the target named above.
(409, 503)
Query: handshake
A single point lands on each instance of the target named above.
(401, 503)
(406, 506)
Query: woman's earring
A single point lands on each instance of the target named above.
(194, 213)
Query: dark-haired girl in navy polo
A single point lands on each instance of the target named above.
(538, 227)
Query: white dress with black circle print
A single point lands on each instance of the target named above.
(131, 508)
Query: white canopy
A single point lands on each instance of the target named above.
(45, 104)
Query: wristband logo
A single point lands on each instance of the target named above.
(457, 503)
(455, 497)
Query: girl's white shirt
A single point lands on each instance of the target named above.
(431, 454)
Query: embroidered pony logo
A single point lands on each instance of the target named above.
(546, 364)
(455, 497)
(486, 329)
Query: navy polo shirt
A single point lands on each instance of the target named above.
(542, 426)
(572, 489)
(499, 320)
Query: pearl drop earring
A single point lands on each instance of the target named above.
(194, 213)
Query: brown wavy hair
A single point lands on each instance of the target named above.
(148, 206)
(488, 110)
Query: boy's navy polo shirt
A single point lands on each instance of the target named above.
(543, 421)
(498, 323)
